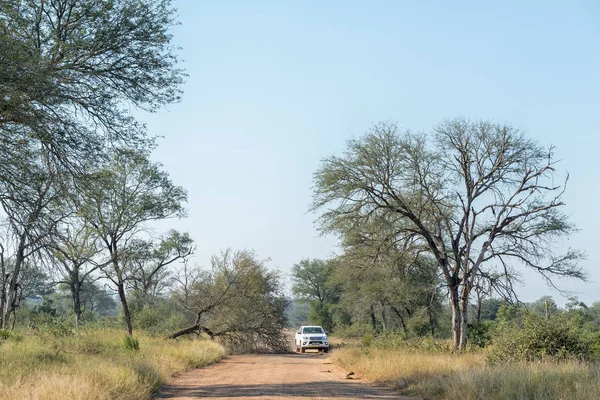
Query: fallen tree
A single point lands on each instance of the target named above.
(239, 302)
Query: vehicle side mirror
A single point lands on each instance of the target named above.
(327, 333)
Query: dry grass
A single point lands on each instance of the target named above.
(94, 365)
(443, 376)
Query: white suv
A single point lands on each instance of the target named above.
(311, 337)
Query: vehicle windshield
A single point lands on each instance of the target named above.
(313, 329)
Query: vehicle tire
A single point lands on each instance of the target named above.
(302, 350)
(325, 350)
(297, 349)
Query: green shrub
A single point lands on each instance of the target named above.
(537, 337)
(367, 340)
(131, 343)
(479, 334)
(59, 328)
(4, 334)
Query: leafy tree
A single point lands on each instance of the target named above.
(380, 277)
(147, 262)
(71, 71)
(68, 67)
(95, 300)
(118, 202)
(28, 205)
(74, 253)
(311, 281)
(479, 197)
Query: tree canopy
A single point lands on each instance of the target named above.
(479, 197)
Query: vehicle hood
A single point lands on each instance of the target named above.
(314, 336)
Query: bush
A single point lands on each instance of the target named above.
(4, 334)
(479, 334)
(367, 340)
(131, 343)
(536, 337)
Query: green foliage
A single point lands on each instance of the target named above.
(66, 75)
(131, 343)
(354, 330)
(59, 328)
(4, 334)
(537, 337)
(312, 282)
(419, 324)
(160, 318)
(367, 340)
(321, 314)
(489, 309)
(479, 334)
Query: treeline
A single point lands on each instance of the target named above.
(79, 192)
(390, 303)
(351, 296)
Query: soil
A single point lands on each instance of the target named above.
(273, 376)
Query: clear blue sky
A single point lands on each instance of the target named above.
(275, 86)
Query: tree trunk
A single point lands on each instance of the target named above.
(456, 318)
(75, 290)
(196, 328)
(383, 316)
(11, 303)
(126, 314)
(397, 312)
(464, 309)
(2, 298)
(373, 319)
(431, 321)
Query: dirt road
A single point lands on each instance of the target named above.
(272, 376)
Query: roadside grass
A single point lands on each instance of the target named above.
(94, 364)
(440, 375)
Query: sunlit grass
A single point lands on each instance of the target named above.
(95, 365)
(467, 377)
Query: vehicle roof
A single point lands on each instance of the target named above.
(311, 326)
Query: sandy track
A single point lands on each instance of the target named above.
(272, 376)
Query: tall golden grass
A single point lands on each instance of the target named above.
(95, 364)
(467, 377)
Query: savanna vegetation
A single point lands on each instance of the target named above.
(434, 230)
(89, 289)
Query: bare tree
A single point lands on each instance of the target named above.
(475, 195)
